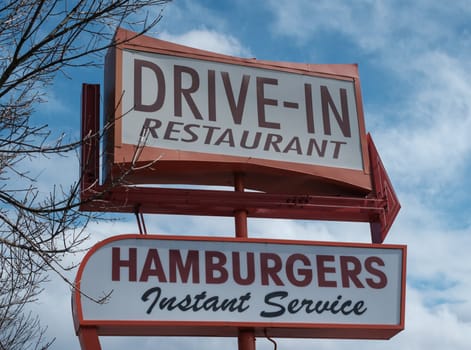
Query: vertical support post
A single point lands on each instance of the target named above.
(88, 337)
(246, 338)
(90, 128)
(240, 215)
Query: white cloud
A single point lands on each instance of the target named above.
(373, 26)
(365, 22)
(209, 40)
(430, 143)
(433, 329)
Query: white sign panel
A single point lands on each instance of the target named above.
(186, 104)
(204, 280)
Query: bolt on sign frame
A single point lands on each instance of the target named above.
(293, 134)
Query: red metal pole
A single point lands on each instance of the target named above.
(240, 215)
(246, 338)
(88, 337)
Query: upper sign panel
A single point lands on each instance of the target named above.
(202, 106)
(192, 109)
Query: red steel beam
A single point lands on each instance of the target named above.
(223, 203)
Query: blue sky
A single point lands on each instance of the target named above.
(415, 71)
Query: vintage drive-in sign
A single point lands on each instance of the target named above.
(205, 116)
(162, 285)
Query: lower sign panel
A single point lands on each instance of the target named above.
(201, 286)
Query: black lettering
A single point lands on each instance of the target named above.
(146, 295)
(237, 109)
(198, 298)
(262, 101)
(320, 150)
(292, 306)
(211, 95)
(159, 75)
(170, 129)
(226, 137)
(273, 140)
(309, 108)
(294, 145)
(185, 303)
(195, 302)
(211, 304)
(150, 126)
(243, 299)
(328, 104)
(168, 303)
(311, 306)
(210, 133)
(338, 144)
(268, 301)
(179, 91)
(358, 308)
(188, 128)
(255, 143)
(334, 305)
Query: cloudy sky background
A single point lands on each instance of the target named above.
(415, 70)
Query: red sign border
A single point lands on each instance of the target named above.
(226, 329)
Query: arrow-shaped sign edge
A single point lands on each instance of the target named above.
(382, 189)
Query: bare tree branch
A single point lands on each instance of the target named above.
(38, 228)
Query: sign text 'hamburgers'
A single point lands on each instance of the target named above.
(227, 283)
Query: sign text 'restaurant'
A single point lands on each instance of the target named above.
(193, 105)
